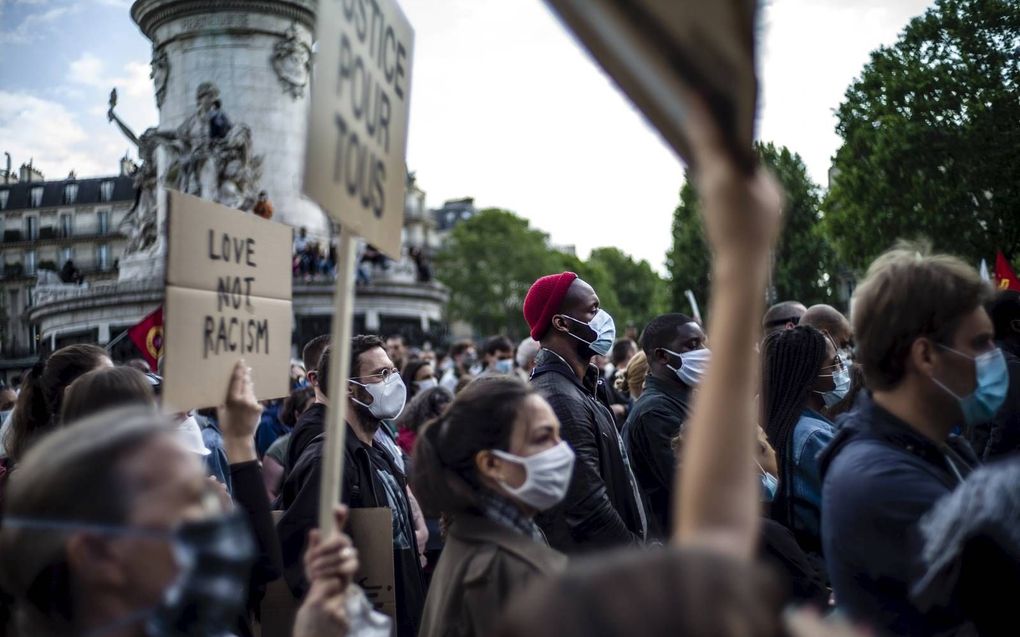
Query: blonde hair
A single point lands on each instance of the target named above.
(632, 378)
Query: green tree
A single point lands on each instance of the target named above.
(687, 261)
(804, 264)
(931, 138)
(639, 289)
(489, 262)
(803, 257)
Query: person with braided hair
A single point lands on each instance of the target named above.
(801, 374)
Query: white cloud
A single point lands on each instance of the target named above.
(34, 128)
(35, 26)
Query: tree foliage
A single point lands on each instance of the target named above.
(931, 138)
(804, 265)
(490, 261)
(639, 290)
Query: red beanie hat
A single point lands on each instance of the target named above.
(543, 301)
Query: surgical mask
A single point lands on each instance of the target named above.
(769, 485)
(504, 366)
(841, 378)
(388, 397)
(989, 394)
(692, 365)
(547, 476)
(213, 557)
(605, 333)
(428, 383)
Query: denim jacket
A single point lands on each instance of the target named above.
(812, 433)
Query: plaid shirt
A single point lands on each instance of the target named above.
(502, 511)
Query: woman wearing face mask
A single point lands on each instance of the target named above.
(489, 463)
(418, 376)
(154, 551)
(801, 375)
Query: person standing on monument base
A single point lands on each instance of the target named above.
(603, 506)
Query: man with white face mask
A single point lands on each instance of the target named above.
(603, 506)
(371, 477)
(677, 358)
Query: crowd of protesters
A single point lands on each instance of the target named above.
(774, 471)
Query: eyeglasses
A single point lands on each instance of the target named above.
(384, 374)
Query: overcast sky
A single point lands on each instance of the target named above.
(505, 107)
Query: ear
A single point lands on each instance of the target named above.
(1015, 325)
(561, 326)
(93, 561)
(313, 378)
(489, 465)
(922, 356)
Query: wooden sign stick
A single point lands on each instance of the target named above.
(339, 364)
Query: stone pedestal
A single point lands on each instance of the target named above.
(258, 53)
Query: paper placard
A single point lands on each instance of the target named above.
(227, 298)
(357, 134)
(371, 531)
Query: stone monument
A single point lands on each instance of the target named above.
(231, 81)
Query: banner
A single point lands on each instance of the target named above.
(148, 338)
(1005, 278)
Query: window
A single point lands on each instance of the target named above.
(29, 296)
(66, 254)
(36, 195)
(31, 228)
(103, 256)
(106, 191)
(70, 193)
(33, 337)
(5, 194)
(66, 225)
(30, 262)
(104, 221)
(14, 301)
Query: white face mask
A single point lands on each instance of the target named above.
(504, 366)
(841, 380)
(547, 476)
(388, 397)
(605, 332)
(428, 383)
(692, 365)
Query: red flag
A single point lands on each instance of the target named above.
(1005, 278)
(148, 337)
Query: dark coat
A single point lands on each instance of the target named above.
(654, 421)
(482, 565)
(310, 424)
(879, 477)
(363, 487)
(602, 506)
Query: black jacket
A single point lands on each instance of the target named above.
(879, 477)
(602, 507)
(654, 422)
(310, 424)
(370, 480)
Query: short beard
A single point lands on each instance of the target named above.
(367, 420)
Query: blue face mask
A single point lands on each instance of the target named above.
(505, 366)
(841, 380)
(989, 393)
(769, 485)
(605, 332)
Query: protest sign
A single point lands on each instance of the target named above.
(355, 169)
(371, 532)
(354, 162)
(662, 51)
(228, 296)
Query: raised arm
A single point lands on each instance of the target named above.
(718, 503)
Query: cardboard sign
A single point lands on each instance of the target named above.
(228, 296)
(661, 51)
(357, 134)
(371, 531)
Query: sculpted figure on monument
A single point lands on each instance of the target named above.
(206, 156)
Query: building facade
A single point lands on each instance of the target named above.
(61, 232)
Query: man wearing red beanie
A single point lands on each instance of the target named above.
(603, 506)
